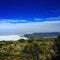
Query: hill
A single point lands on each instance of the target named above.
(42, 35)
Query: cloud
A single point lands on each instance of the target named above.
(11, 37)
(23, 21)
(38, 19)
(48, 19)
(53, 18)
(23, 28)
(20, 27)
(11, 21)
(28, 20)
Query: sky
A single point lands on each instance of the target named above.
(18, 17)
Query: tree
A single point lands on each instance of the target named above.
(57, 48)
(21, 40)
(57, 44)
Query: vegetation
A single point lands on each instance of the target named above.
(42, 35)
(33, 49)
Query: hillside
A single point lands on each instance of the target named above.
(42, 35)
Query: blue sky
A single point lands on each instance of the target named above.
(28, 16)
(25, 9)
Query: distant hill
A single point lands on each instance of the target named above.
(42, 35)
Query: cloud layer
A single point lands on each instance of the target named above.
(30, 20)
(23, 28)
(11, 37)
(20, 27)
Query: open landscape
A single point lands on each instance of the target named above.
(29, 29)
(30, 49)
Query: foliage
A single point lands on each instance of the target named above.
(57, 44)
(32, 49)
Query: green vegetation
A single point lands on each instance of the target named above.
(34, 49)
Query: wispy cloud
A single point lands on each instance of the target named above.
(48, 19)
(12, 21)
(32, 20)
(38, 19)
(53, 18)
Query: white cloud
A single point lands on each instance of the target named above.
(23, 28)
(53, 18)
(23, 21)
(11, 37)
(35, 19)
(57, 18)
(11, 21)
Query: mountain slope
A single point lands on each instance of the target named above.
(41, 35)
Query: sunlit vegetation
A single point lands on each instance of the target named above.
(33, 49)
